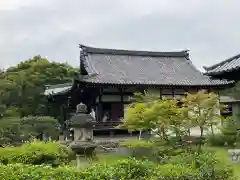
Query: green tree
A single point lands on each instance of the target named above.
(15, 130)
(40, 125)
(158, 115)
(10, 131)
(232, 91)
(26, 82)
(203, 111)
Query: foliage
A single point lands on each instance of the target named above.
(22, 86)
(228, 135)
(216, 140)
(154, 150)
(203, 111)
(163, 116)
(233, 91)
(208, 166)
(124, 169)
(11, 132)
(15, 130)
(136, 144)
(139, 149)
(41, 125)
(230, 132)
(159, 116)
(23, 171)
(35, 153)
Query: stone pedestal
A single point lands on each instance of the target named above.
(61, 137)
(83, 134)
(78, 160)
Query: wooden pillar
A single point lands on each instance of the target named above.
(160, 93)
(208, 90)
(122, 105)
(172, 92)
(100, 105)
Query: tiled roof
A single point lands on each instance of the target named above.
(111, 66)
(228, 65)
(57, 89)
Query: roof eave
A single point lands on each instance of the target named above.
(221, 63)
(88, 49)
(156, 85)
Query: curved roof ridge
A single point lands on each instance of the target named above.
(93, 50)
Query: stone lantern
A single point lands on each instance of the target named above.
(82, 124)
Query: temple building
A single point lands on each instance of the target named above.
(108, 78)
(228, 69)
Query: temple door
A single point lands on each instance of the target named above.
(116, 112)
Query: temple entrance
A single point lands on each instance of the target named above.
(112, 112)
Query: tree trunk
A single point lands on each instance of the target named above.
(201, 140)
(212, 129)
(140, 135)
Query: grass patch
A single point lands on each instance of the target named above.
(102, 158)
(222, 155)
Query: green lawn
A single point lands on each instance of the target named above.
(103, 158)
(222, 154)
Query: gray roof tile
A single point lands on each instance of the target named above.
(228, 65)
(142, 67)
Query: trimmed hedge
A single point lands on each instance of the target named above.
(35, 153)
(24, 171)
(123, 169)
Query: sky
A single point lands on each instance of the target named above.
(210, 29)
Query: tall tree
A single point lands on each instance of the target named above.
(27, 81)
(203, 111)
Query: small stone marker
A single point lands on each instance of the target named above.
(234, 155)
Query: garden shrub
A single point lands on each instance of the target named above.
(155, 150)
(206, 163)
(24, 171)
(174, 172)
(230, 132)
(139, 148)
(36, 126)
(35, 153)
(124, 169)
(228, 135)
(216, 140)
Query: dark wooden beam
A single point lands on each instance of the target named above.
(160, 91)
(100, 104)
(122, 105)
(117, 93)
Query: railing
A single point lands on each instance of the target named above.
(109, 124)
